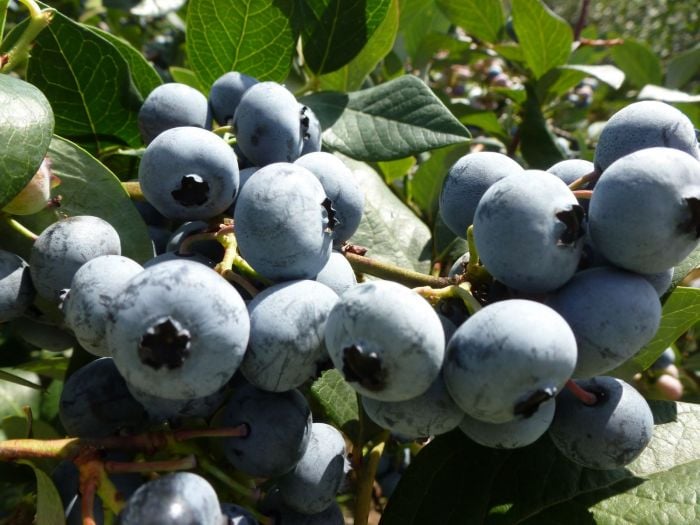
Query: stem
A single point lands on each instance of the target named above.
(223, 130)
(169, 465)
(250, 494)
(187, 434)
(581, 22)
(365, 480)
(389, 271)
(583, 194)
(587, 398)
(473, 263)
(90, 475)
(227, 238)
(19, 228)
(601, 42)
(457, 291)
(134, 191)
(583, 181)
(38, 20)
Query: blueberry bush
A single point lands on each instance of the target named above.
(325, 261)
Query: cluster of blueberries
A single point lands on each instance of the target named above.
(175, 339)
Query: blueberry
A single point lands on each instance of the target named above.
(212, 249)
(226, 93)
(43, 333)
(95, 402)
(641, 125)
(337, 273)
(169, 106)
(178, 330)
(517, 433)
(341, 188)
(613, 314)
(268, 124)
(189, 173)
(430, 414)
(570, 170)
(182, 498)
(644, 215)
(466, 181)
(287, 323)
(331, 516)
(498, 367)
(162, 409)
(661, 281)
(284, 223)
(311, 486)
(279, 427)
(386, 340)
(16, 289)
(607, 435)
(64, 247)
(86, 304)
(528, 230)
(237, 515)
(666, 359)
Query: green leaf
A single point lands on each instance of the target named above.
(672, 96)
(482, 19)
(53, 367)
(15, 427)
(335, 31)
(26, 125)
(537, 143)
(396, 119)
(3, 16)
(640, 64)
(611, 75)
(12, 378)
(338, 401)
(426, 183)
(88, 83)
(545, 38)
(392, 170)
(683, 67)
(418, 19)
(454, 481)
(49, 508)
(351, 76)
(680, 311)
(255, 37)
(143, 74)
(14, 397)
(389, 229)
(186, 76)
(510, 51)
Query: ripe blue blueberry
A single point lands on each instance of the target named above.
(337, 273)
(169, 106)
(226, 93)
(16, 289)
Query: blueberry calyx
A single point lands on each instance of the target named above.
(692, 225)
(165, 343)
(330, 210)
(529, 406)
(363, 368)
(193, 191)
(573, 221)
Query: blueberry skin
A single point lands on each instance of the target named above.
(16, 289)
(570, 170)
(518, 433)
(507, 358)
(661, 281)
(311, 486)
(287, 323)
(642, 125)
(337, 273)
(465, 183)
(430, 414)
(95, 402)
(181, 498)
(279, 428)
(64, 247)
(169, 106)
(331, 516)
(86, 305)
(666, 359)
(347, 197)
(613, 314)
(386, 340)
(178, 330)
(226, 93)
(161, 409)
(283, 225)
(607, 435)
(43, 334)
(526, 214)
(211, 249)
(643, 214)
(177, 256)
(189, 173)
(268, 124)
(237, 515)
(312, 138)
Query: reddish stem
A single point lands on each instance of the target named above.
(583, 194)
(121, 467)
(581, 22)
(586, 397)
(583, 181)
(183, 435)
